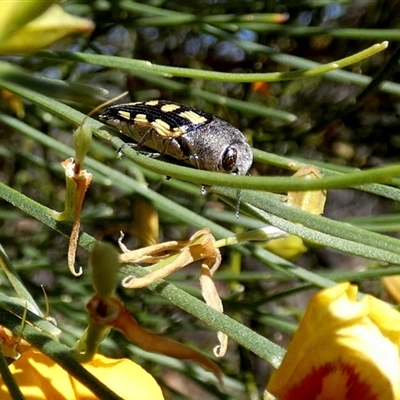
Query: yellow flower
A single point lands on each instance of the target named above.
(344, 349)
(41, 378)
(27, 26)
(290, 247)
(392, 285)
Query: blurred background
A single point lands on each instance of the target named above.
(328, 118)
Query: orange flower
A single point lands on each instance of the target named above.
(41, 378)
(344, 349)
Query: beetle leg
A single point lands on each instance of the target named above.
(136, 145)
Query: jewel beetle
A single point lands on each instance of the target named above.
(183, 132)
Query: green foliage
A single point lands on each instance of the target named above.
(278, 83)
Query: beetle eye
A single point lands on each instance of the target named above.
(229, 160)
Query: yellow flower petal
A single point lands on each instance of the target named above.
(44, 30)
(124, 377)
(15, 14)
(40, 378)
(344, 349)
(312, 201)
(289, 248)
(392, 285)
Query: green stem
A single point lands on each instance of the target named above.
(244, 107)
(318, 229)
(15, 280)
(275, 184)
(344, 33)
(288, 60)
(150, 68)
(259, 345)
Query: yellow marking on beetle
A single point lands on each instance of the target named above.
(163, 129)
(170, 107)
(151, 103)
(179, 130)
(141, 119)
(124, 114)
(193, 117)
